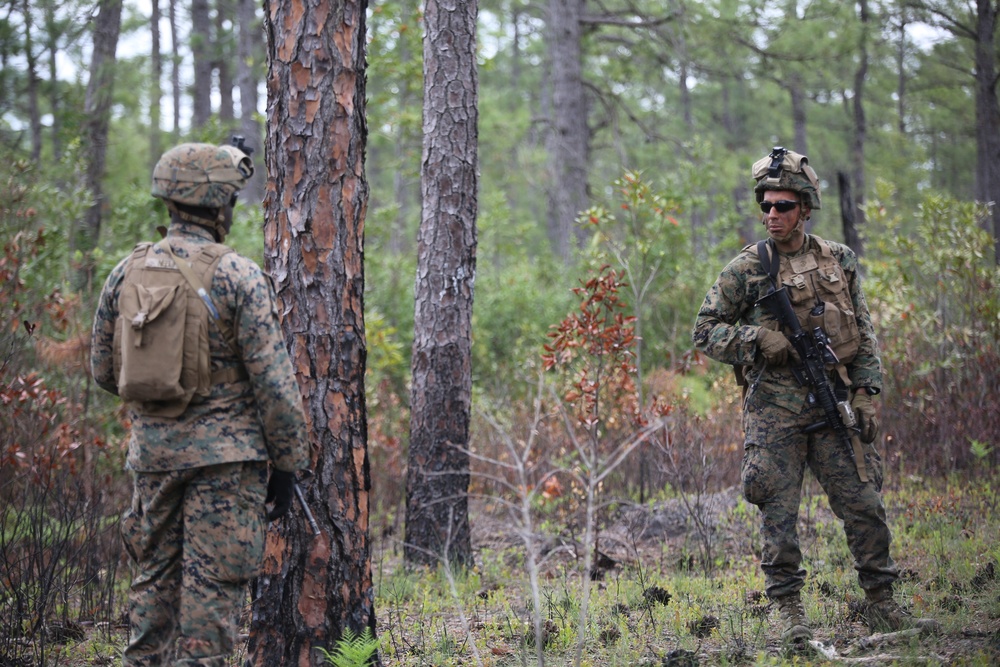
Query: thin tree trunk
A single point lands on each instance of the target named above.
(857, 213)
(987, 114)
(437, 516)
(569, 138)
(683, 62)
(52, 46)
(201, 51)
(246, 78)
(6, 92)
(156, 90)
(175, 68)
(901, 73)
(798, 103)
(97, 111)
(401, 182)
(222, 48)
(312, 589)
(34, 115)
(848, 219)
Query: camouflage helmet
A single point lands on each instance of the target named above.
(202, 175)
(783, 169)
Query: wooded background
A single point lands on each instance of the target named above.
(607, 134)
(573, 92)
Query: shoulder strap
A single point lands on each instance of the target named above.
(770, 263)
(824, 246)
(138, 253)
(199, 288)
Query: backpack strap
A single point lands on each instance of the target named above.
(138, 253)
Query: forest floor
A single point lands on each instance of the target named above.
(679, 584)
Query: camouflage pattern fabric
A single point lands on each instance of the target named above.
(201, 174)
(196, 526)
(729, 320)
(196, 537)
(258, 419)
(776, 453)
(795, 175)
(776, 408)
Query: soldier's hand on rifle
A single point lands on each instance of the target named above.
(280, 488)
(864, 409)
(775, 347)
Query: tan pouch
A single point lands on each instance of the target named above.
(151, 327)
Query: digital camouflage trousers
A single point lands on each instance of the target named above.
(196, 537)
(776, 453)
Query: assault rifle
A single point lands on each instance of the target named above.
(815, 353)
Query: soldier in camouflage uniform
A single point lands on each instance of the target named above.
(195, 530)
(732, 328)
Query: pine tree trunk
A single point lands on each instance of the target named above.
(223, 50)
(857, 213)
(175, 68)
(97, 111)
(848, 220)
(246, 80)
(156, 87)
(797, 101)
(52, 34)
(437, 515)
(34, 115)
(201, 51)
(569, 138)
(987, 114)
(313, 588)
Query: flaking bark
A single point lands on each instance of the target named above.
(311, 588)
(437, 517)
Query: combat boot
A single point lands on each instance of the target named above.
(885, 615)
(794, 626)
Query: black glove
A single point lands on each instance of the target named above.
(280, 488)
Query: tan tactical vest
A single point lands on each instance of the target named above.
(817, 277)
(161, 342)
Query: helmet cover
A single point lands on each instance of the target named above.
(202, 175)
(786, 170)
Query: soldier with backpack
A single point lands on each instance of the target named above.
(187, 334)
(785, 429)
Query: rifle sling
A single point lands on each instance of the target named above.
(770, 263)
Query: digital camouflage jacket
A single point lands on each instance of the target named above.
(729, 321)
(259, 418)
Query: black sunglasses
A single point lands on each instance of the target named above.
(783, 205)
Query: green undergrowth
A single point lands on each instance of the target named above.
(651, 609)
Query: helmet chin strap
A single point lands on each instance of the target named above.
(800, 226)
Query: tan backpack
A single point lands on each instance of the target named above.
(161, 352)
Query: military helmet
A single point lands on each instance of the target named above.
(202, 175)
(783, 169)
